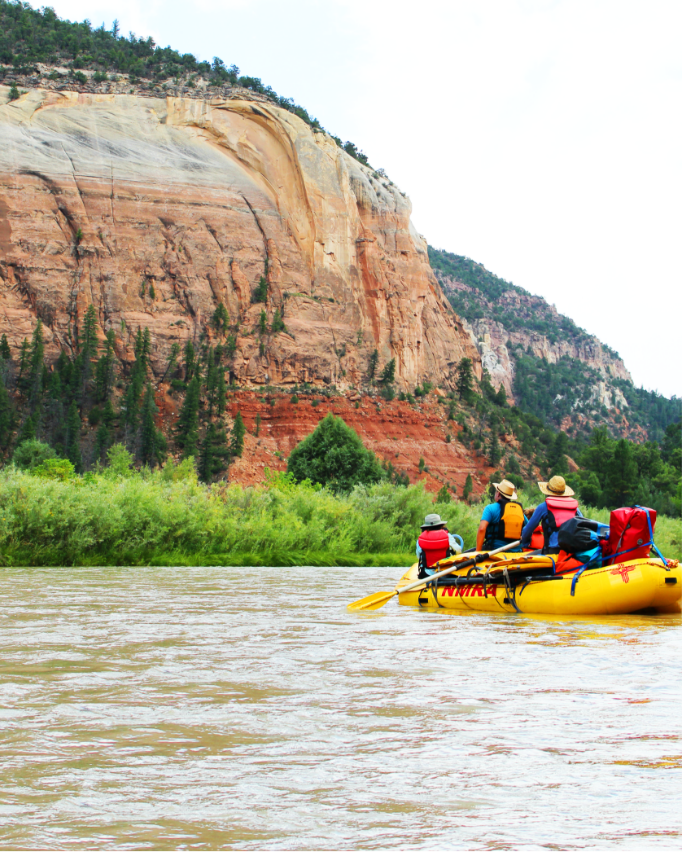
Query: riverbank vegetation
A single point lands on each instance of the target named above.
(51, 516)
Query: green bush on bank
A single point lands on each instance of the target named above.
(137, 518)
(166, 517)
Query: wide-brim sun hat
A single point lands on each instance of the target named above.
(431, 521)
(506, 489)
(556, 487)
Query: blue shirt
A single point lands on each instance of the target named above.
(536, 518)
(492, 514)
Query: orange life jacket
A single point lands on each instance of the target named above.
(435, 544)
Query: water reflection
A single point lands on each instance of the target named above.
(211, 708)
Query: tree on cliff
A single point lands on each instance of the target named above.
(36, 366)
(238, 432)
(73, 434)
(188, 421)
(88, 345)
(388, 373)
(372, 365)
(104, 371)
(6, 417)
(334, 455)
(465, 379)
(152, 441)
(213, 454)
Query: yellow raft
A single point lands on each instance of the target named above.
(651, 585)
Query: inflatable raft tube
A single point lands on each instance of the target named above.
(627, 587)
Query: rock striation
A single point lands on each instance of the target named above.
(157, 209)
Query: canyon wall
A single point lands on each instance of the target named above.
(155, 210)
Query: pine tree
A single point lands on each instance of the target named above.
(494, 453)
(277, 323)
(5, 353)
(465, 379)
(188, 422)
(388, 374)
(263, 322)
(6, 417)
(73, 431)
(36, 354)
(211, 381)
(149, 435)
(221, 392)
(257, 432)
(138, 374)
(102, 441)
(372, 365)
(108, 414)
(622, 474)
(172, 361)
(27, 431)
(231, 347)
(221, 319)
(88, 345)
(213, 454)
(261, 292)
(104, 372)
(190, 361)
(468, 487)
(237, 438)
(556, 457)
(24, 364)
(132, 400)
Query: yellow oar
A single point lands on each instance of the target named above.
(378, 599)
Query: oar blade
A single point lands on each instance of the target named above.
(375, 601)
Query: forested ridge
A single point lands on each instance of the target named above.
(30, 36)
(487, 301)
(553, 397)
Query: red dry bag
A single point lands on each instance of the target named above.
(631, 533)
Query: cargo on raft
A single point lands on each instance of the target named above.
(512, 582)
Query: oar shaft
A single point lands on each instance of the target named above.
(456, 567)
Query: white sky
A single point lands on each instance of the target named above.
(541, 138)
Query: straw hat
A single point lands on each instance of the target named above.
(432, 521)
(556, 487)
(506, 489)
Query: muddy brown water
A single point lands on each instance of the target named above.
(205, 708)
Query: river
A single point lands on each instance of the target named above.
(202, 708)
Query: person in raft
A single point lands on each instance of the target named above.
(559, 506)
(501, 521)
(434, 543)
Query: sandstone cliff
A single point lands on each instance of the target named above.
(155, 210)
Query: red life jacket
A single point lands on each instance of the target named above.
(559, 510)
(629, 533)
(435, 544)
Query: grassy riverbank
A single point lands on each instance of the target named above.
(167, 518)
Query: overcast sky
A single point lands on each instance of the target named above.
(541, 138)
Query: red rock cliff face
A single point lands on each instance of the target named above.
(155, 210)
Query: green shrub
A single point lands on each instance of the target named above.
(31, 453)
(55, 469)
(334, 455)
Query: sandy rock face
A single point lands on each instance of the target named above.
(155, 210)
